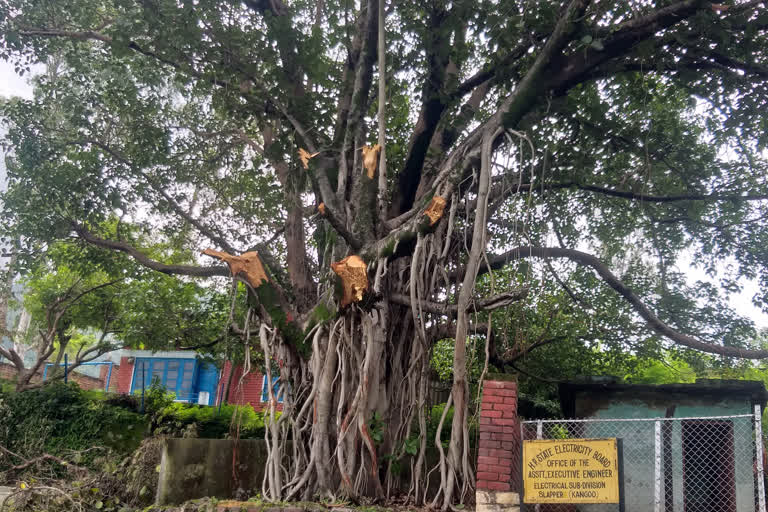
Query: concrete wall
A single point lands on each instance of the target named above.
(196, 468)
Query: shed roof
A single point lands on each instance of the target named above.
(715, 388)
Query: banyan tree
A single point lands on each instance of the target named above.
(380, 175)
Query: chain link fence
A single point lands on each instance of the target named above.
(702, 464)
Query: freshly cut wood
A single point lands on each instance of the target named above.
(435, 209)
(248, 263)
(370, 159)
(354, 278)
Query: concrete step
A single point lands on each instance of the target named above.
(4, 493)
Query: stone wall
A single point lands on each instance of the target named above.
(196, 468)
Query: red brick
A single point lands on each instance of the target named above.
(501, 437)
(504, 422)
(124, 376)
(503, 407)
(486, 435)
(511, 400)
(492, 399)
(484, 452)
(248, 393)
(483, 475)
(488, 405)
(497, 486)
(490, 428)
(506, 392)
(482, 484)
(501, 470)
(484, 443)
(499, 384)
(490, 414)
(502, 454)
(487, 460)
(509, 430)
(484, 421)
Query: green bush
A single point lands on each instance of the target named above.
(156, 397)
(59, 419)
(6, 386)
(433, 420)
(180, 420)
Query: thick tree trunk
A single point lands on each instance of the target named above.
(350, 408)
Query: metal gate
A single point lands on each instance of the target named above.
(698, 464)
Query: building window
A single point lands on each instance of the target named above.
(176, 375)
(278, 391)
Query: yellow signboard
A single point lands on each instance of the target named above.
(570, 471)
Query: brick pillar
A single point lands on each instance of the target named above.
(498, 459)
(123, 376)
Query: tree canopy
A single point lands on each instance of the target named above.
(384, 175)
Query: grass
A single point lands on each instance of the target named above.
(6, 386)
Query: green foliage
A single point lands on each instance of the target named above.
(441, 361)
(376, 427)
(433, 420)
(156, 397)
(411, 446)
(558, 432)
(59, 419)
(179, 419)
(669, 371)
(6, 386)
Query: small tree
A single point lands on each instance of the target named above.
(59, 302)
(86, 307)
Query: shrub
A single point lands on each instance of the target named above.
(156, 397)
(60, 420)
(188, 420)
(127, 402)
(433, 420)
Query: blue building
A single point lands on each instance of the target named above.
(180, 372)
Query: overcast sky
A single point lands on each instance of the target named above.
(13, 85)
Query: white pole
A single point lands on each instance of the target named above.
(759, 461)
(657, 468)
(539, 434)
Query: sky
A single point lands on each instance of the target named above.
(13, 85)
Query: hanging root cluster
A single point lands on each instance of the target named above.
(360, 395)
(354, 417)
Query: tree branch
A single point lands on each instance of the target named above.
(330, 215)
(184, 270)
(567, 71)
(627, 294)
(487, 304)
(217, 239)
(501, 189)
(726, 196)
